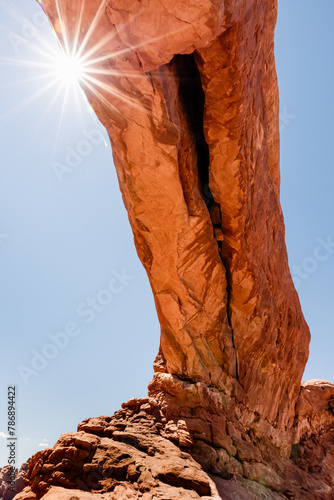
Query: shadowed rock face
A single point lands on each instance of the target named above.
(8, 489)
(187, 91)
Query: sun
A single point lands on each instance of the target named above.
(66, 65)
(68, 68)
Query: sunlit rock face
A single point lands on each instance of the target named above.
(188, 94)
(142, 453)
(196, 148)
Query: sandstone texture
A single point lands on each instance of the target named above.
(141, 452)
(187, 91)
(188, 94)
(6, 493)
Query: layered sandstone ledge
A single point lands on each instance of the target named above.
(196, 450)
(187, 91)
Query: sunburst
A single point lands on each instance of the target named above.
(64, 68)
(68, 69)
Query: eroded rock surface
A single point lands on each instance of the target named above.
(141, 452)
(188, 94)
(7, 489)
(187, 91)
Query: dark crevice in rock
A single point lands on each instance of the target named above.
(192, 99)
(226, 263)
(228, 310)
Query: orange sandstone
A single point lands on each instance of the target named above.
(187, 91)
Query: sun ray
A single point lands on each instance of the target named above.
(101, 97)
(50, 53)
(24, 23)
(78, 27)
(12, 12)
(94, 83)
(32, 79)
(113, 91)
(101, 43)
(74, 64)
(77, 91)
(111, 55)
(26, 103)
(63, 28)
(48, 109)
(124, 98)
(25, 62)
(92, 27)
(61, 117)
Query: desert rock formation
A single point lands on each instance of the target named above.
(142, 452)
(187, 91)
(6, 493)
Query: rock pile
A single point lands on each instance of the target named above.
(6, 491)
(188, 94)
(150, 450)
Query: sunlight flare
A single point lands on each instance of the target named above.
(74, 64)
(69, 68)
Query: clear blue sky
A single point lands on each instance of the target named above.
(63, 243)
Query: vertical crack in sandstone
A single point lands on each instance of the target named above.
(272, 438)
(192, 99)
(229, 319)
